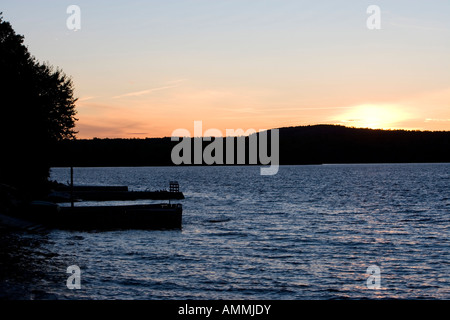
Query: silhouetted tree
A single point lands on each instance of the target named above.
(37, 109)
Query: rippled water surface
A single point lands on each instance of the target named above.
(309, 232)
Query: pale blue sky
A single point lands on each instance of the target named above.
(138, 64)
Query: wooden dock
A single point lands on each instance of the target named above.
(62, 213)
(110, 193)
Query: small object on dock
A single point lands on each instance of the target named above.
(174, 186)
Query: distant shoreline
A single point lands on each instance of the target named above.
(258, 165)
(307, 145)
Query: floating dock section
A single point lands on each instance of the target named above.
(110, 193)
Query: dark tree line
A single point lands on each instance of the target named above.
(37, 110)
(298, 145)
(339, 144)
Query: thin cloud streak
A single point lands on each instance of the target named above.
(254, 110)
(437, 120)
(140, 93)
(83, 99)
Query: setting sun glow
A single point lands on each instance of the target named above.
(374, 116)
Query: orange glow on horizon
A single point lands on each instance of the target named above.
(375, 117)
(104, 120)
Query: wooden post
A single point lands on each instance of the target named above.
(71, 187)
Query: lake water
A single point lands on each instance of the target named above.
(309, 232)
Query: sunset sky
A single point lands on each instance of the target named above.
(146, 68)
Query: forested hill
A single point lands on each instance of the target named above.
(338, 144)
(298, 145)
